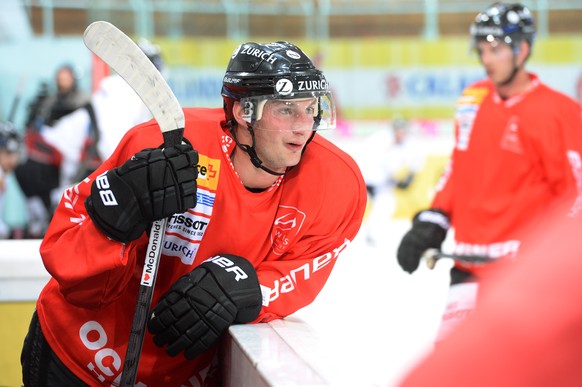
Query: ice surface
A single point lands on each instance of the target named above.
(373, 319)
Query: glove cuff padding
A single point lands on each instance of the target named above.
(429, 230)
(122, 222)
(123, 232)
(433, 224)
(238, 279)
(152, 185)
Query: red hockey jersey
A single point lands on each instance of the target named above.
(292, 233)
(527, 330)
(513, 159)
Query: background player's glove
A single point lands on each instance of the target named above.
(405, 182)
(429, 229)
(201, 305)
(152, 185)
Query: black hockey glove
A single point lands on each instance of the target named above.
(429, 230)
(152, 185)
(201, 305)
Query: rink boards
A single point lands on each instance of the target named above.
(270, 354)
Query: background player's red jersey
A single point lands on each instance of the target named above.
(513, 159)
(527, 329)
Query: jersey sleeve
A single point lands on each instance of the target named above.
(91, 269)
(443, 198)
(559, 144)
(293, 280)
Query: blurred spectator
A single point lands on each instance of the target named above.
(79, 141)
(48, 108)
(389, 161)
(39, 175)
(10, 144)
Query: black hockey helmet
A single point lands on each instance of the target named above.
(10, 139)
(508, 23)
(258, 72)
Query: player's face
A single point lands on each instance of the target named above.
(497, 59)
(8, 160)
(283, 131)
(65, 80)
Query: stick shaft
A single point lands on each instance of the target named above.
(433, 255)
(128, 60)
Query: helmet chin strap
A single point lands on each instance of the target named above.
(513, 73)
(250, 150)
(511, 77)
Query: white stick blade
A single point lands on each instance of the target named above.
(128, 60)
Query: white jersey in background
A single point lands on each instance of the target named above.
(386, 163)
(117, 108)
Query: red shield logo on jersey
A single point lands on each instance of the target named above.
(288, 222)
(511, 140)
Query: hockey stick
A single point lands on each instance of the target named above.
(16, 100)
(127, 59)
(433, 255)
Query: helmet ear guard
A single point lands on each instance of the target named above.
(253, 109)
(248, 112)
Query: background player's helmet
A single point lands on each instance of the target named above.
(508, 23)
(259, 72)
(10, 140)
(152, 51)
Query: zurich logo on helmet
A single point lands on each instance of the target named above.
(284, 86)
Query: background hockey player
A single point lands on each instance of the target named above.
(260, 208)
(82, 139)
(527, 329)
(517, 153)
(389, 160)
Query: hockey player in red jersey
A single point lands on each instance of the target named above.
(527, 329)
(259, 206)
(517, 153)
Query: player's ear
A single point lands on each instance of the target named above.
(524, 51)
(238, 112)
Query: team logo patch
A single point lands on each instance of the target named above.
(510, 140)
(288, 222)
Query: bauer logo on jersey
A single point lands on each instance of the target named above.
(288, 222)
(208, 170)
